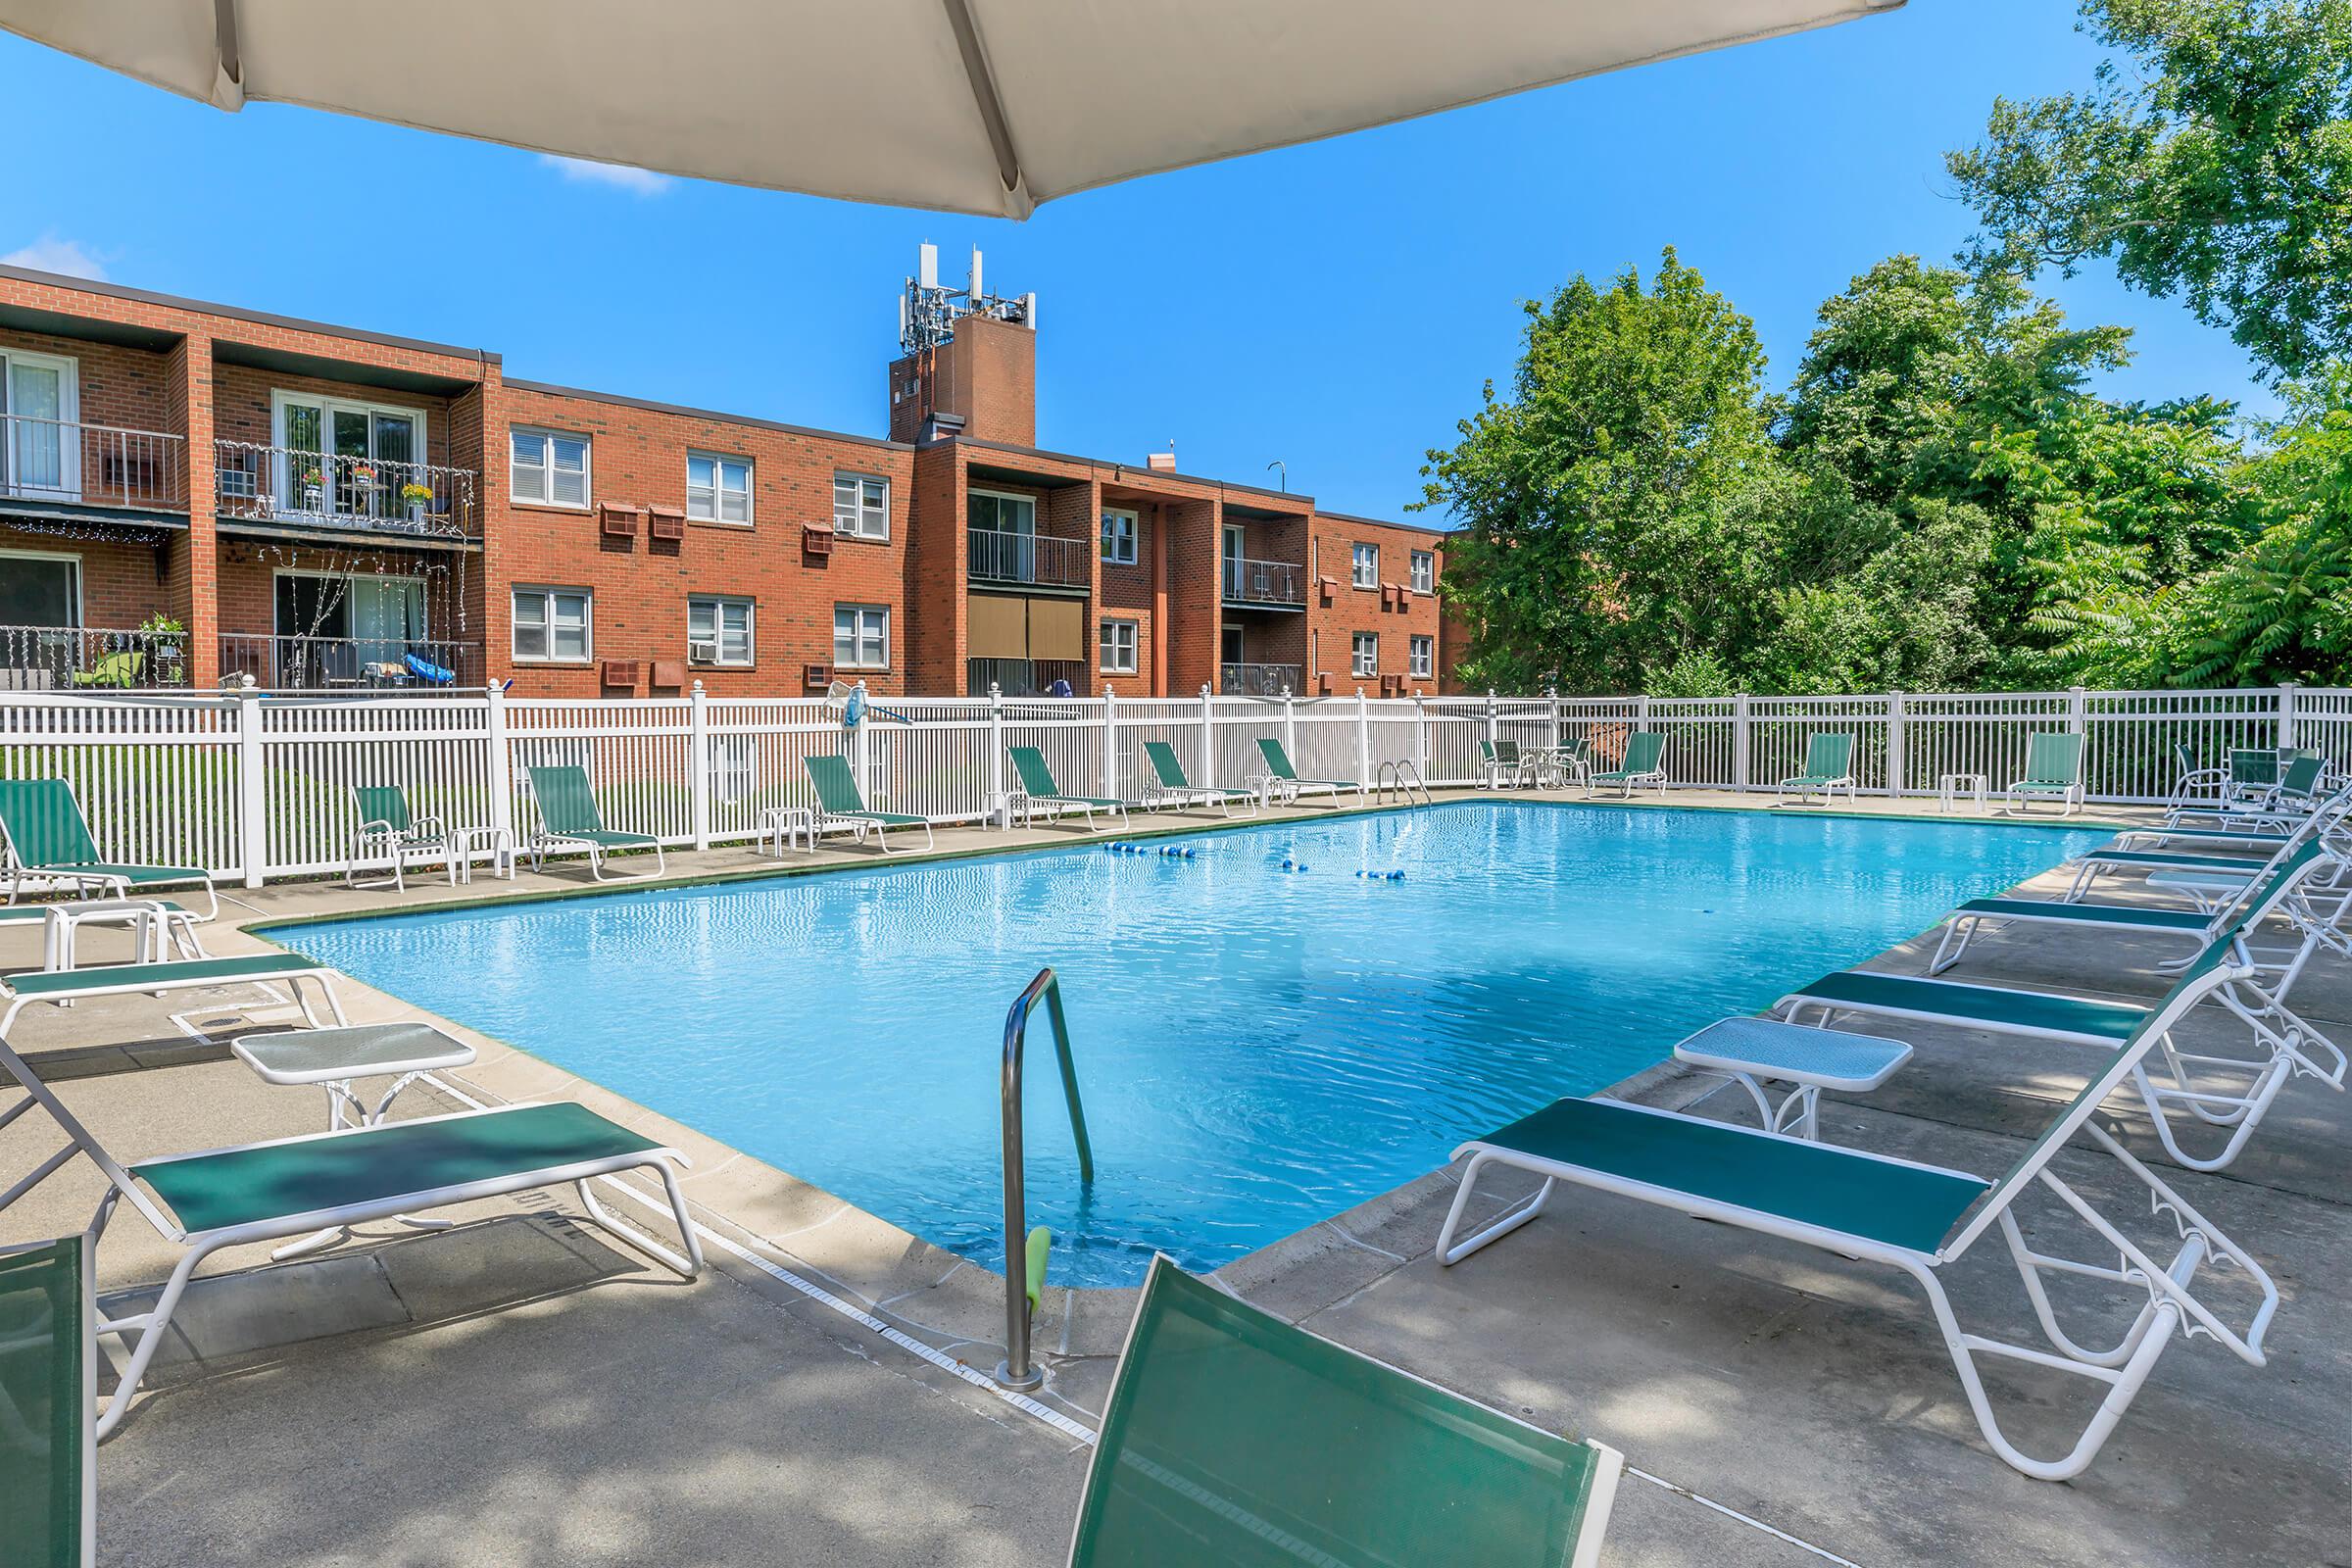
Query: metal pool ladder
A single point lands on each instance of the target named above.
(1405, 776)
(1015, 1372)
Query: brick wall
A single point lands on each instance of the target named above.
(641, 584)
(1393, 611)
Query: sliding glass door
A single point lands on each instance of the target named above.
(346, 459)
(40, 454)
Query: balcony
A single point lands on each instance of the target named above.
(67, 462)
(1277, 584)
(1258, 680)
(1032, 560)
(90, 659)
(376, 495)
(1022, 677)
(348, 663)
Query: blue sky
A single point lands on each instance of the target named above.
(1334, 307)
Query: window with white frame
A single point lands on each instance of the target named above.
(1119, 529)
(719, 489)
(1425, 571)
(860, 637)
(1366, 561)
(1367, 654)
(554, 625)
(548, 468)
(1119, 643)
(861, 506)
(718, 630)
(1422, 652)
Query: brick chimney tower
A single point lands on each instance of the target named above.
(969, 362)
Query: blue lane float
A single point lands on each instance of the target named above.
(1381, 876)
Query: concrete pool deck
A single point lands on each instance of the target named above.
(516, 1390)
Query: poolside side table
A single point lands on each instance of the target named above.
(337, 1059)
(466, 842)
(785, 824)
(1760, 1051)
(1950, 786)
(156, 926)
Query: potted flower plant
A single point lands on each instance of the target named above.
(165, 631)
(314, 489)
(416, 498)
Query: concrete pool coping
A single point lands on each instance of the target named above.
(952, 1306)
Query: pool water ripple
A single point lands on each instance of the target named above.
(1258, 1048)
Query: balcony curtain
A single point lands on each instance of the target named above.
(997, 626)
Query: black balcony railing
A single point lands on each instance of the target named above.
(91, 465)
(1033, 559)
(65, 659)
(282, 484)
(1257, 681)
(345, 663)
(1264, 583)
(1022, 677)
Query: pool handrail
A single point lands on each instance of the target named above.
(1014, 1371)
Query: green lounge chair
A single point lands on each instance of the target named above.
(2297, 868)
(2053, 766)
(48, 1398)
(1037, 790)
(2248, 828)
(62, 987)
(124, 669)
(1644, 751)
(1501, 760)
(1281, 781)
(568, 819)
(1829, 763)
(49, 841)
(1168, 784)
(387, 832)
(2296, 794)
(1915, 1218)
(1233, 1438)
(839, 806)
(293, 1186)
(2228, 1093)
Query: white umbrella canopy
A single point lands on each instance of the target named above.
(973, 106)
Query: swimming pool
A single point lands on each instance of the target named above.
(1258, 1048)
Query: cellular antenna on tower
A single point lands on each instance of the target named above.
(928, 313)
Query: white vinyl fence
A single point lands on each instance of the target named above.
(255, 785)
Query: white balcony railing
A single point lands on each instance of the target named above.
(91, 465)
(1264, 583)
(280, 484)
(1258, 680)
(999, 555)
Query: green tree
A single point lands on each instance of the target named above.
(1622, 504)
(2211, 159)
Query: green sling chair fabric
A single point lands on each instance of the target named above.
(1829, 757)
(388, 805)
(1232, 1438)
(1278, 764)
(2024, 1011)
(156, 976)
(47, 831)
(45, 1408)
(124, 669)
(1643, 749)
(272, 1181)
(1170, 773)
(1812, 1184)
(2053, 762)
(837, 793)
(567, 809)
(1037, 779)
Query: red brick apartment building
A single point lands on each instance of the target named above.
(320, 506)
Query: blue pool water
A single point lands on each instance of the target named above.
(1258, 1048)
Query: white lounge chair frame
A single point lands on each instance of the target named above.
(2122, 1367)
(144, 1332)
(125, 980)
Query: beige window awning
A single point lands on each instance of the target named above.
(974, 106)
